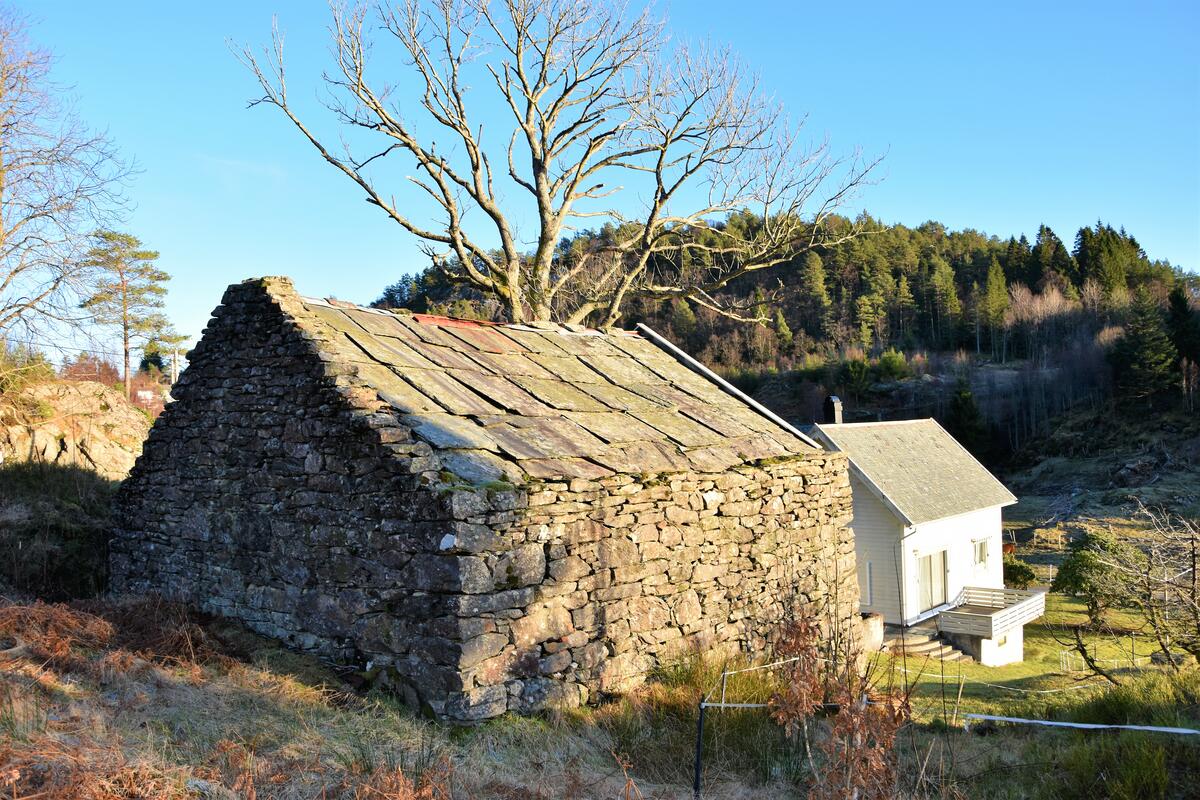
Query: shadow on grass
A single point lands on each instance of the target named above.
(54, 527)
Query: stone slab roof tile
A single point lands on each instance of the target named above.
(439, 386)
(644, 458)
(481, 466)
(566, 367)
(559, 394)
(713, 459)
(451, 431)
(394, 390)
(615, 428)
(376, 322)
(721, 422)
(620, 399)
(619, 369)
(515, 401)
(503, 393)
(384, 351)
(511, 364)
(564, 468)
(918, 468)
(682, 430)
(534, 340)
(485, 339)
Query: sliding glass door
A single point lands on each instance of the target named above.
(931, 578)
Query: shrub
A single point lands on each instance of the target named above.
(892, 365)
(1127, 767)
(1152, 698)
(1086, 573)
(1017, 573)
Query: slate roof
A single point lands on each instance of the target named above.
(548, 402)
(919, 470)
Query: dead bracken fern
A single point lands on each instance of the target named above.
(47, 769)
(51, 633)
(159, 630)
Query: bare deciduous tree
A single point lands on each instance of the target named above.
(611, 127)
(1163, 580)
(58, 183)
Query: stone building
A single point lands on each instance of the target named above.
(483, 517)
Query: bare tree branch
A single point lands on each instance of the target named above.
(58, 183)
(660, 143)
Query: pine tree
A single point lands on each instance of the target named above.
(1049, 257)
(683, 320)
(1144, 360)
(129, 292)
(869, 311)
(945, 294)
(905, 304)
(1016, 258)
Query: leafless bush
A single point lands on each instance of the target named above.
(850, 752)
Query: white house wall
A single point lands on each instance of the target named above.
(957, 536)
(877, 534)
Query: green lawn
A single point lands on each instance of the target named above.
(936, 683)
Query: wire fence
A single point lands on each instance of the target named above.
(724, 695)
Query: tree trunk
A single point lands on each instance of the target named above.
(125, 334)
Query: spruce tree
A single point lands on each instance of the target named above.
(995, 302)
(782, 330)
(945, 295)
(964, 421)
(1184, 324)
(1144, 359)
(817, 296)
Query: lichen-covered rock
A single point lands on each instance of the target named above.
(80, 423)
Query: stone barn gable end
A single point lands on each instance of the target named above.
(483, 517)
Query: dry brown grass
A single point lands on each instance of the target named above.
(139, 698)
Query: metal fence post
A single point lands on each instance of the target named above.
(699, 753)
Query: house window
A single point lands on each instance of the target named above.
(981, 552)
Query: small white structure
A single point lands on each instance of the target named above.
(927, 532)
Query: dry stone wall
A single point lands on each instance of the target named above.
(596, 581)
(280, 490)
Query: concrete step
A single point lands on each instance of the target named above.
(908, 639)
(929, 646)
(920, 644)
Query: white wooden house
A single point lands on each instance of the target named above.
(927, 532)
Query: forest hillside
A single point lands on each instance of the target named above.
(994, 335)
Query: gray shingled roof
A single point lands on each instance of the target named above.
(548, 402)
(918, 468)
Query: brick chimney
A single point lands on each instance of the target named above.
(833, 410)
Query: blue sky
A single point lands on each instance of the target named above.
(995, 116)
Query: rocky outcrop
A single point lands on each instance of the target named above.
(83, 423)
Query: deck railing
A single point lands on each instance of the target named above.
(992, 611)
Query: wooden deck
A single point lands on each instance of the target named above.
(991, 612)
